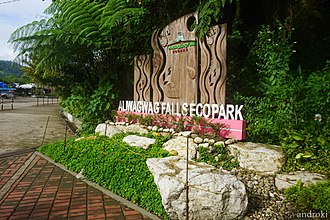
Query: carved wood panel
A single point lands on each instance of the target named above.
(212, 83)
(142, 72)
(178, 80)
(158, 62)
(183, 68)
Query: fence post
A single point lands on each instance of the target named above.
(65, 136)
(12, 103)
(43, 137)
(1, 103)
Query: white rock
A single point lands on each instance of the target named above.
(185, 133)
(166, 130)
(230, 141)
(80, 174)
(212, 194)
(262, 158)
(284, 181)
(134, 128)
(211, 141)
(154, 128)
(206, 145)
(179, 144)
(206, 140)
(149, 127)
(107, 130)
(137, 141)
(198, 140)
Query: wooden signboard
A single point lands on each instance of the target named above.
(185, 69)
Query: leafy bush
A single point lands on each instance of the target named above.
(91, 109)
(288, 101)
(115, 165)
(314, 197)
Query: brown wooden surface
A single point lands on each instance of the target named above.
(178, 80)
(172, 75)
(213, 66)
(142, 72)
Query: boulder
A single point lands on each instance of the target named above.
(263, 158)
(212, 194)
(179, 144)
(284, 181)
(137, 141)
(134, 128)
(107, 130)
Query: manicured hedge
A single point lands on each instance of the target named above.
(114, 165)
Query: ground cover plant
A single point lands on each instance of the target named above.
(114, 165)
(315, 197)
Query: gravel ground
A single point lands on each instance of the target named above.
(25, 125)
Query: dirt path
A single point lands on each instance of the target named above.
(24, 126)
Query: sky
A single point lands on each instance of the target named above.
(15, 14)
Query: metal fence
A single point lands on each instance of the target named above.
(19, 102)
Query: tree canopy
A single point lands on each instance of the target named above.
(85, 44)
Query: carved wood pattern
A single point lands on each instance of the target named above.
(205, 65)
(213, 66)
(178, 80)
(221, 53)
(142, 71)
(175, 76)
(158, 65)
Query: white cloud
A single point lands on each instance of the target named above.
(14, 15)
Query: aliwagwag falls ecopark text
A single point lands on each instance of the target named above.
(210, 109)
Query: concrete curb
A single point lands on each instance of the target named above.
(17, 152)
(105, 191)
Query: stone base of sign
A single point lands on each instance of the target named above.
(263, 158)
(284, 181)
(264, 188)
(212, 194)
(233, 129)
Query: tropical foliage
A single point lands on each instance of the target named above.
(277, 55)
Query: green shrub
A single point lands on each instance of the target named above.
(315, 197)
(115, 165)
(92, 108)
(284, 110)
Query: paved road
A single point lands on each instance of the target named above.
(24, 126)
